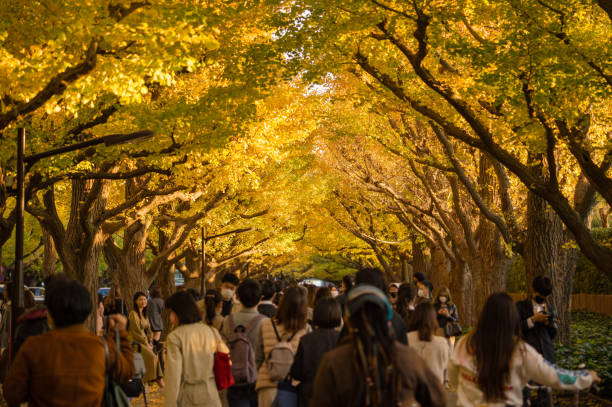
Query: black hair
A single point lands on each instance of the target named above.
(322, 292)
(211, 300)
(347, 280)
(184, 306)
(376, 365)
(249, 293)
(144, 310)
(155, 292)
(67, 300)
(327, 313)
(267, 290)
(430, 286)
(371, 276)
(493, 342)
(292, 309)
(405, 295)
(420, 277)
(542, 285)
(424, 321)
(195, 294)
(230, 278)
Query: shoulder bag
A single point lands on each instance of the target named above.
(113, 395)
(222, 367)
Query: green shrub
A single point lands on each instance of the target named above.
(591, 345)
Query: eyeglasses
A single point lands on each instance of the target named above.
(393, 294)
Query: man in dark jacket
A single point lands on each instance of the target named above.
(538, 324)
(229, 283)
(538, 319)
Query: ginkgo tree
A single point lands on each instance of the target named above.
(525, 82)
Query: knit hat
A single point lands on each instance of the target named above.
(364, 293)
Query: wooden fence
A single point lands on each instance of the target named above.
(600, 303)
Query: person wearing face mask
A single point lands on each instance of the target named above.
(424, 290)
(446, 310)
(538, 325)
(228, 288)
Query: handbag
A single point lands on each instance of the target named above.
(286, 395)
(452, 328)
(222, 367)
(113, 395)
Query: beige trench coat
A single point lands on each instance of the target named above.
(190, 380)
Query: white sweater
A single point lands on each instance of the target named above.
(527, 364)
(435, 352)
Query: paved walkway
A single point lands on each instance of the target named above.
(155, 398)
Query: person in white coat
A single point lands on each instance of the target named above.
(493, 364)
(191, 348)
(433, 349)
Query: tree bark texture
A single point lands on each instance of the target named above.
(494, 262)
(545, 255)
(49, 255)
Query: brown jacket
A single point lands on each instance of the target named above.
(65, 367)
(337, 381)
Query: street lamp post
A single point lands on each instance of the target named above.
(17, 280)
(203, 268)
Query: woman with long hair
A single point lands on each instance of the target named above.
(191, 349)
(370, 367)
(422, 338)
(140, 332)
(289, 324)
(211, 307)
(491, 365)
(446, 310)
(113, 303)
(405, 302)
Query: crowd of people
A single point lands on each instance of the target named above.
(366, 343)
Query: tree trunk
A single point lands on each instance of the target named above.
(493, 261)
(461, 291)
(49, 255)
(545, 255)
(418, 257)
(133, 276)
(440, 272)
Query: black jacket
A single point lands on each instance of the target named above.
(442, 319)
(541, 335)
(310, 351)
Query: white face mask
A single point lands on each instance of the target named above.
(334, 294)
(443, 300)
(411, 307)
(227, 294)
(421, 293)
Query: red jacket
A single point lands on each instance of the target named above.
(65, 367)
